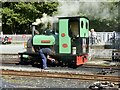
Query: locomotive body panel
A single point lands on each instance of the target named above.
(64, 39)
(43, 40)
(84, 27)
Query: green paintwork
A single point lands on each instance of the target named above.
(37, 39)
(63, 28)
(84, 32)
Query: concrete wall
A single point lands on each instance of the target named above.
(101, 53)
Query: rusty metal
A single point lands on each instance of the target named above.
(62, 75)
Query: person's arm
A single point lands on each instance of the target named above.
(51, 59)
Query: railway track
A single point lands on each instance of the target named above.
(16, 62)
(14, 59)
(9, 58)
(62, 75)
(96, 77)
(101, 66)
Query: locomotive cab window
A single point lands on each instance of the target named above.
(74, 28)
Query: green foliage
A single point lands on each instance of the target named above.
(27, 12)
(18, 16)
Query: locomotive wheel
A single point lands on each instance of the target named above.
(33, 64)
(23, 63)
(72, 64)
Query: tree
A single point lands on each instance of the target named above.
(107, 18)
(18, 16)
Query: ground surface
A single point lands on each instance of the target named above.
(79, 70)
(33, 82)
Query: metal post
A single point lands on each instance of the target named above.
(113, 39)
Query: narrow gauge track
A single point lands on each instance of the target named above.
(101, 66)
(7, 58)
(80, 69)
(62, 75)
(16, 61)
(11, 62)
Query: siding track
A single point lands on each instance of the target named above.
(62, 75)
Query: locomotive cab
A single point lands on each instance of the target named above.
(73, 39)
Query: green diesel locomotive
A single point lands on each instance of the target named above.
(70, 43)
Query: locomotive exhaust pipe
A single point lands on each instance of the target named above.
(33, 30)
(34, 24)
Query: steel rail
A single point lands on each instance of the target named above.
(117, 67)
(10, 62)
(67, 75)
(15, 60)
(101, 66)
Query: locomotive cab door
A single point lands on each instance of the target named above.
(78, 32)
(74, 30)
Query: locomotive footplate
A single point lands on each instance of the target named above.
(62, 59)
(71, 59)
(26, 57)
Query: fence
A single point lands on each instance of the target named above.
(105, 37)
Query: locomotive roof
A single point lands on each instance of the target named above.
(72, 17)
